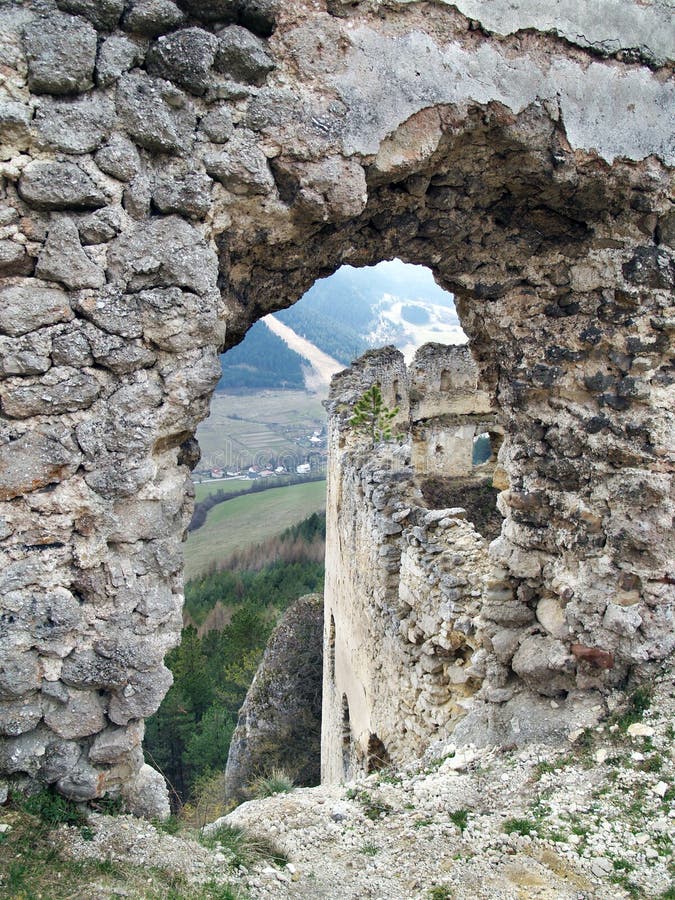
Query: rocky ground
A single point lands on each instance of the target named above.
(594, 819)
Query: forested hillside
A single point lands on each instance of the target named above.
(189, 737)
(341, 315)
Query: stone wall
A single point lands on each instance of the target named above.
(171, 171)
(404, 583)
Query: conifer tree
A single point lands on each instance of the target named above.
(372, 417)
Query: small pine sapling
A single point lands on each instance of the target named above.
(371, 417)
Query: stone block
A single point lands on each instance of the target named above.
(47, 184)
(103, 14)
(241, 167)
(114, 744)
(152, 17)
(60, 390)
(217, 125)
(78, 125)
(19, 716)
(189, 196)
(544, 664)
(157, 115)
(14, 260)
(185, 58)
(242, 56)
(119, 158)
(30, 305)
(61, 53)
(63, 259)
(19, 674)
(82, 783)
(141, 696)
(117, 55)
(86, 669)
(60, 758)
(81, 715)
(33, 461)
(147, 795)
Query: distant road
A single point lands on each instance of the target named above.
(323, 366)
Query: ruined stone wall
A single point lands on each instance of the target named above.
(171, 171)
(404, 582)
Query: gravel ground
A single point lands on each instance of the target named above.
(595, 819)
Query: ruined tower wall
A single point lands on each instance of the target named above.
(403, 582)
(170, 172)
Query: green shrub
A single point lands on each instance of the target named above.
(277, 782)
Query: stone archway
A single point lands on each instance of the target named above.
(170, 176)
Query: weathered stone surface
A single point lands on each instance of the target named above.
(14, 260)
(147, 795)
(117, 55)
(61, 53)
(100, 227)
(19, 675)
(155, 113)
(189, 196)
(104, 14)
(242, 56)
(74, 126)
(113, 744)
(152, 17)
(279, 724)
(185, 58)
(80, 715)
(61, 389)
(83, 782)
(59, 185)
(141, 696)
(167, 252)
(31, 462)
(241, 167)
(63, 259)
(544, 664)
(32, 304)
(374, 138)
(217, 125)
(119, 158)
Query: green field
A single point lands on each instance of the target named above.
(256, 427)
(238, 523)
(227, 487)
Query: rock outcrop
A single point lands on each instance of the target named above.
(171, 171)
(279, 725)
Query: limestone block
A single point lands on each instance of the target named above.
(189, 196)
(241, 167)
(114, 744)
(242, 56)
(27, 355)
(59, 185)
(60, 758)
(80, 715)
(103, 14)
(30, 305)
(61, 53)
(544, 664)
(63, 259)
(551, 616)
(14, 260)
(157, 115)
(86, 669)
(24, 752)
(82, 783)
(19, 674)
(19, 716)
(185, 58)
(117, 55)
(15, 119)
(119, 158)
(141, 696)
(217, 125)
(147, 795)
(79, 125)
(32, 461)
(100, 227)
(61, 389)
(623, 620)
(118, 354)
(166, 252)
(152, 17)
